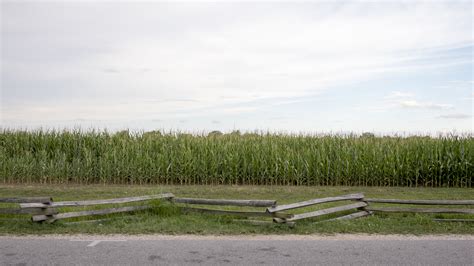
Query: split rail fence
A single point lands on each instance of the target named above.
(417, 209)
(44, 209)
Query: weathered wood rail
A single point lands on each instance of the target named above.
(226, 202)
(48, 212)
(39, 200)
(360, 204)
(96, 202)
(44, 200)
(328, 211)
(351, 216)
(238, 213)
(420, 210)
(45, 211)
(421, 202)
(302, 204)
(55, 217)
(232, 202)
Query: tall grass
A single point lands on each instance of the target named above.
(270, 159)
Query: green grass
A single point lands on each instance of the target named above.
(53, 157)
(167, 218)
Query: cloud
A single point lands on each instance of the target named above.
(216, 122)
(407, 100)
(398, 95)
(426, 105)
(144, 70)
(176, 100)
(111, 70)
(292, 51)
(454, 116)
(186, 59)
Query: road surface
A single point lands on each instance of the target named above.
(241, 250)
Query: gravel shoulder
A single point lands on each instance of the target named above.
(246, 237)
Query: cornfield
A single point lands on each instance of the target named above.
(251, 159)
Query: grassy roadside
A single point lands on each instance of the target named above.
(167, 218)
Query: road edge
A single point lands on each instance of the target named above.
(245, 237)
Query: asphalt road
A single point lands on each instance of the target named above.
(122, 250)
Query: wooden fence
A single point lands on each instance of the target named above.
(44, 209)
(240, 203)
(423, 210)
(359, 205)
(19, 210)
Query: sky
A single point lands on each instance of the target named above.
(314, 67)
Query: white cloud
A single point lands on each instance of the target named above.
(311, 55)
(428, 105)
(398, 95)
(123, 61)
(406, 100)
(455, 116)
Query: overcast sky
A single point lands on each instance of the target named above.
(385, 67)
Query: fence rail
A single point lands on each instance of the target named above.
(350, 197)
(352, 216)
(55, 217)
(324, 212)
(238, 213)
(96, 202)
(44, 200)
(232, 202)
(45, 211)
(357, 196)
(421, 210)
(226, 202)
(422, 202)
